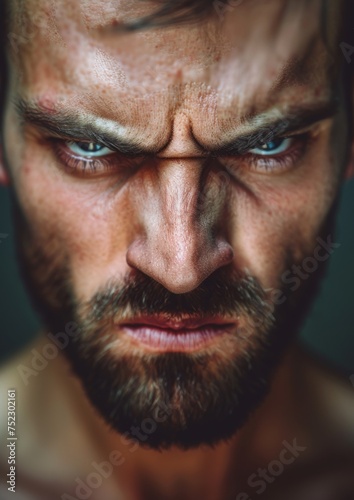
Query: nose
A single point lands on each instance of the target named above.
(181, 235)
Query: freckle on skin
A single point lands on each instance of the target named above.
(179, 76)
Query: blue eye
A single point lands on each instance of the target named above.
(273, 147)
(88, 149)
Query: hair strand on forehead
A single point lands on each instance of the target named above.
(174, 12)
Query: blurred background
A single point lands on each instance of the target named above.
(329, 331)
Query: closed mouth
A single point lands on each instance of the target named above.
(158, 333)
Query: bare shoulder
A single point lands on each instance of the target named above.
(15, 370)
(330, 396)
(13, 384)
(26, 376)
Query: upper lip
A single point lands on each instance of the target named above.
(176, 324)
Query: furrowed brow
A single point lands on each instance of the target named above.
(297, 119)
(69, 126)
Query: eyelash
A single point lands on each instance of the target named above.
(259, 163)
(85, 166)
(282, 161)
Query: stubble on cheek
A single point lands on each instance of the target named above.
(44, 260)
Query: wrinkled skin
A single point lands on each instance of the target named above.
(172, 98)
(184, 212)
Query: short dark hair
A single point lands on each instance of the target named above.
(175, 12)
(184, 11)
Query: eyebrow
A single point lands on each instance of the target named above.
(296, 119)
(69, 125)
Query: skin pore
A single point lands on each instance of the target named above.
(185, 196)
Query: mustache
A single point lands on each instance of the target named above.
(222, 294)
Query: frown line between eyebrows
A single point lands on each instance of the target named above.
(67, 125)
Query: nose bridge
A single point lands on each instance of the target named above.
(179, 188)
(185, 227)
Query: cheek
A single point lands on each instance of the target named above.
(87, 224)
(277, 221)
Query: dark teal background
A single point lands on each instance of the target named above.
(329, 331)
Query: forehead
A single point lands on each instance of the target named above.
(240, 61)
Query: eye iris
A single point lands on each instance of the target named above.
(90, 147)
(271, 145)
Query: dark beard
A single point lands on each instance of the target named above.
(173, 399)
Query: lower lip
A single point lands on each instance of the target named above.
(182, 340)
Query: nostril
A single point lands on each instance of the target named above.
(179, 274)
(225, 253)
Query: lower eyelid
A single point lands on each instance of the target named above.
(80, 164)
(70, 144)
(295, 152)
(280, 162)
(99, 164)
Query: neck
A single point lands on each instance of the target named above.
(202, 472)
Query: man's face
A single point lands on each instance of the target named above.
(171, 174)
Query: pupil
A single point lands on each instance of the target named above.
(269, 146)
(90, 147)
